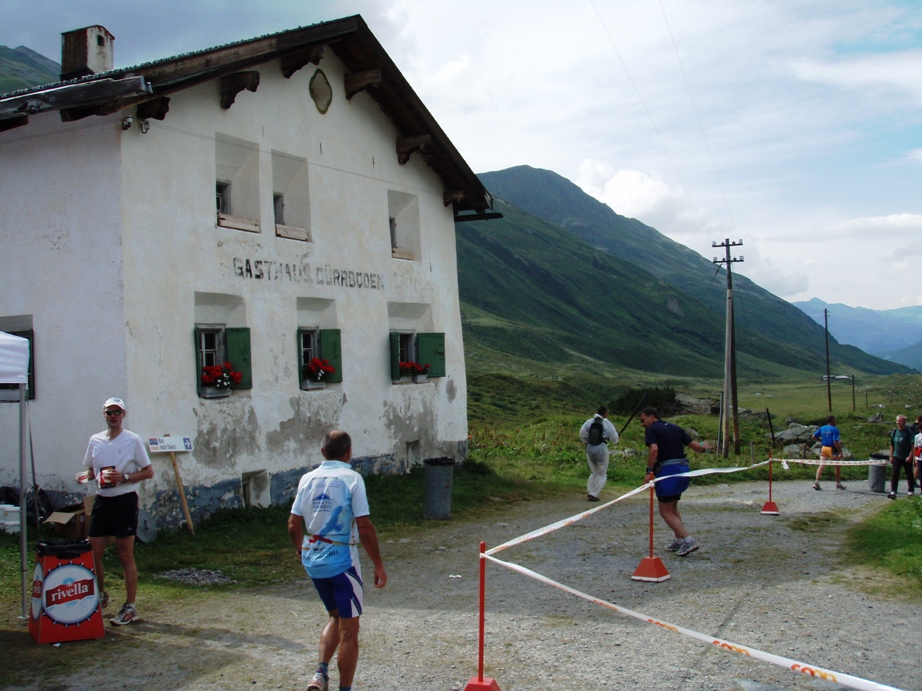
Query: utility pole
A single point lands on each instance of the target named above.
(828, 378)
(730, 353)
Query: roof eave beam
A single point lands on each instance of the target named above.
(74, 96)
(406, 146)
(478, 216)
(14, 122)
(294, 62)
(233, 84)
(359, 81)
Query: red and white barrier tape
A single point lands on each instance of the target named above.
(794, 665)
(816, 461)
(578, 517)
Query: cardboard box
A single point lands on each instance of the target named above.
(74, 520)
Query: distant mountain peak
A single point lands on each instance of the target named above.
(22, 68)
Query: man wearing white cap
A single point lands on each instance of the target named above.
(117, 460)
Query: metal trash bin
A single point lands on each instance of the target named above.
(877, 474)
(437, 499)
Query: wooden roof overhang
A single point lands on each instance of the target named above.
(369, 67)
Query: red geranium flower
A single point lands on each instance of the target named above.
(317, 369)
(221, 376)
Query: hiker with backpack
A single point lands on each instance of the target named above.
(596, 433)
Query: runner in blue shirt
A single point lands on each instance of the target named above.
(828, 435)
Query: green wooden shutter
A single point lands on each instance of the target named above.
(395, 355)
(237, 350)
(430, 349)
(299, 358)
(198, 360)
(331, 350)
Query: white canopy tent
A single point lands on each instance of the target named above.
(14, 359)
(14, 369)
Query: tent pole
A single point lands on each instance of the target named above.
(23, 521)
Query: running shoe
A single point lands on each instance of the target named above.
(591, 498)
(816, 485)
(891, 495)
(839, 485)
(675, 545)
(688, 546)
(104, 600)
(126, 615)
(318, 682)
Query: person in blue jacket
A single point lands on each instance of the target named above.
(828, 436)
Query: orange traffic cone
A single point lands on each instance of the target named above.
(651, 569)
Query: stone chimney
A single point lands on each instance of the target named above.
(86, 51)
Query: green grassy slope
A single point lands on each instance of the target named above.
(532, 290)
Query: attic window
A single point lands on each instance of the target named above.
(291, 200)
(278, 206)
(237, 183)
(404, 225)
(222, 194)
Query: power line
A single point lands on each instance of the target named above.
(704, 134)
(649, 115)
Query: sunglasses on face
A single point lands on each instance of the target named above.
(113, 412)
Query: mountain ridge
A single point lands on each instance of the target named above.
(22, 68)
(627, 254)
(894, 334)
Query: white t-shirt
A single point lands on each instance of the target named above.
(126, 453)
(608, 430)
(329, 499)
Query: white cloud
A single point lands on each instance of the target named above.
(889, 75)
(785, 277)
(794, 129)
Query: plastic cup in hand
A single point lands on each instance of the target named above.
(84, 477)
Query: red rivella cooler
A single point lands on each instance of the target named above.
(65, 595)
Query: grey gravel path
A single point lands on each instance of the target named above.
(772, 583)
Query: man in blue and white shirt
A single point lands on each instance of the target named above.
(329, 517)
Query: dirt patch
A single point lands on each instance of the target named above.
(772, 583)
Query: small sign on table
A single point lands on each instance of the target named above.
(168, 443)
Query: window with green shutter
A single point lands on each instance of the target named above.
(216, 344)
(420, 348)
(237, 340)
(331, 351)
(323, 344)
(430, 350)
(394, 339)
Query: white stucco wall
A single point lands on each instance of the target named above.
(60, 233)
(123, 298)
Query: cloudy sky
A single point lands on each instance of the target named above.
(793, 125)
